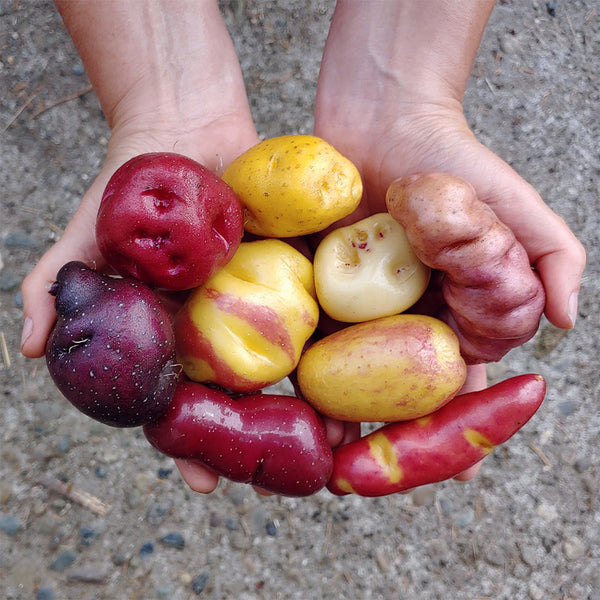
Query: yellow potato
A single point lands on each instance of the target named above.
(293, 185)
(390, 369)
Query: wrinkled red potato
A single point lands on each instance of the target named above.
(169, 221)
(495, 300)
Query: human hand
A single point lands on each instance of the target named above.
(389, 97)
(185, 94)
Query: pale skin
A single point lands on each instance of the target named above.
(389, 97)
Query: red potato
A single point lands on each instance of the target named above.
(401, 456)
(277, 443)
(169, 221)
(495, 300)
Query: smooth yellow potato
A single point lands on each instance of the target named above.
(390, 369)
(368, 270)
(293, 185)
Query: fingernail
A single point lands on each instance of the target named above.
(573, 308)
(27, 330)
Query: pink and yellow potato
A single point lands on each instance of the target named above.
(247, 326)
(390, 369)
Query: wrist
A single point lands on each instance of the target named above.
(411, 50)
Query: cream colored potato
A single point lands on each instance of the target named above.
(293, 185)
(391, 369)
(368, 270)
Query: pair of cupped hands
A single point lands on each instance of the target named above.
(386, 138)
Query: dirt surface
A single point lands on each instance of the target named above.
(129, 528)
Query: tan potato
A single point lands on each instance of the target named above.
(391, 369)
(293, 185)
(495, 299)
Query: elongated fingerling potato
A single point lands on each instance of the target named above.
(401, 456)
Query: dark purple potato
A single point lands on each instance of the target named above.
(111, 351)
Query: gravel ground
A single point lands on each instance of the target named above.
(125, 526)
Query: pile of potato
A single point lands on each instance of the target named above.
(239, 281)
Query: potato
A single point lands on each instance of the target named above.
(390, 369)
(277, 443)
(495, 299)
(368, 270)
(402, 456)
(167, 220)
(245, 328)
(293, 185)
(111, 351)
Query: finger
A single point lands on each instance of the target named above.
(476, 379)
(200, 478)
(78, 242)
(469, 473)
(553, 249)
(38, 305)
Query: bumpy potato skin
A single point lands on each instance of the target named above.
(495, 300)
(277, 443)
(401, 456)
(168, 221)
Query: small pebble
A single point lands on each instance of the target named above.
(165, 591)
(101, 471)
(464, 518)
(9, 281)
(271, 528)
(6, 491)
(87, 575)
(119, 559)
(63, 560)
(18, 299)
(147, 550)
(19, 239)
(157, 512)
(573, 548)
(10, 524)
(231, 524)
(423, 495)
(445, 506)
(88, 535)
(535, 593)
(44, 593)
(64, 444)
(199, 583)
(164, 473)
(174, 540)
(77, 69)
(133, 498)
(566, 407)
(258, 519)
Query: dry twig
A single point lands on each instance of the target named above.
(68, 490)
(62, 100)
